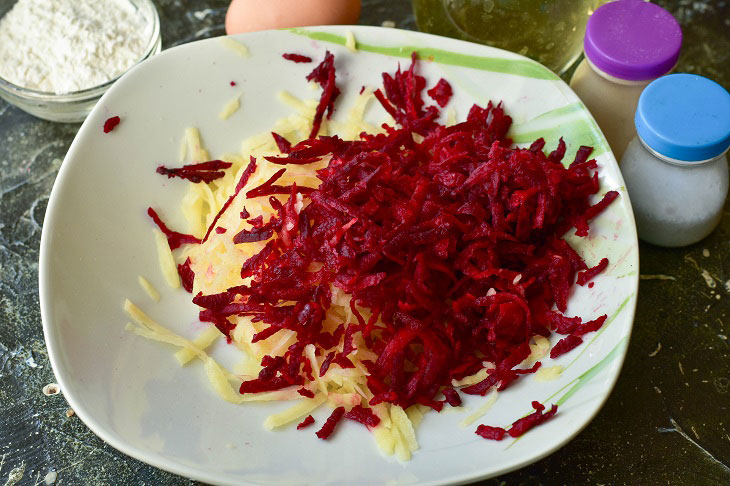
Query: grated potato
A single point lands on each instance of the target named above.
(235, 46)
(147, 286)
(230, 108)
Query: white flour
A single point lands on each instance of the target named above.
(62, 46)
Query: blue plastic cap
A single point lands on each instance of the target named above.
(684, 117)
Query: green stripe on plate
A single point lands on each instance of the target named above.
(562, 111)
(518, 67)
(586, 377)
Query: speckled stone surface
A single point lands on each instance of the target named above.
(667, 421)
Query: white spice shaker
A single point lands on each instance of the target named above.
(675, 169)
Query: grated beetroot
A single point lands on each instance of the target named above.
(536, 418)
(452, 397)
(174, 239)
(574, 325)
(324, 75)
(590, 326)
(265, 334)
(491, 433)
(564, 345)
(282, 143)
(249, 236)
(186, 275)
(111, 123)
(290, 56)
(326, 364)
(309, 420)
(519, 427)
(363, 415)
(202, 172)
(441, 93)
(452, 241)
(250, 169)
(331, 423)
(581, 222)
(589, 273)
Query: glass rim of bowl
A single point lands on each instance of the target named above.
(92, 92)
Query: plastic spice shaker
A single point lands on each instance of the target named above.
(675, 169)
(628, 44)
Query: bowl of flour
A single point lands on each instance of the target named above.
(58, 58)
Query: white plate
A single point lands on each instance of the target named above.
(97, 240)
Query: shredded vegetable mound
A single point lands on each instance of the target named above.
(383, 269)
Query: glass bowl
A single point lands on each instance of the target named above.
(74, 106)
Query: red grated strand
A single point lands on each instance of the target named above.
(326, 364)
(174, 239)
(259, 385)
(309, 420)
(591, 326)
(266, 334)
(441, 93)
(282, 143)
(536, 418)
(452, 242)
(233, 83)
(324, 75)
(290, 56)
(250, 169)
(589, 274)
(291, 160)
(305, 393)
(215, 302)
(331, 423)
(363, 415)
(186, 275)
(220, 230)
(452, 397)
(111, 123)
(521, 426)
(491, 433)
(574, 325)
(265, 188)
(196, 173)
(581, 222)
(220, 322)
(250, 236)
(278, 372)
(566, 344)
(503, 374)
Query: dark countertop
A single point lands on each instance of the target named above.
(667, 421)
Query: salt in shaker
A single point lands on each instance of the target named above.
(675, 169)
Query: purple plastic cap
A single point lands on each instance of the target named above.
(632, 40)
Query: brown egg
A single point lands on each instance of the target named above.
(251, 15)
